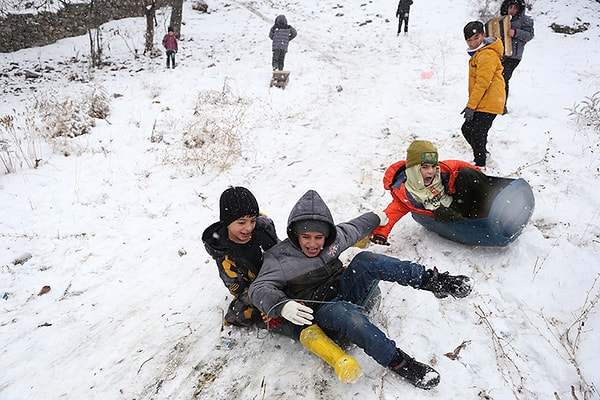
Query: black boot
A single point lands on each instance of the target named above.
(417, 373)
(445, 284)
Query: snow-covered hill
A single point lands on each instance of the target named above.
(113, 219)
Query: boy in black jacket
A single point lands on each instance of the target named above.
(237, 243)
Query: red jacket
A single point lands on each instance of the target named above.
(402, 201)
(170, 42)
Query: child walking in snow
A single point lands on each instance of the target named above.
(402, 14)
(170, 43)
(487, 95)
(281, 33)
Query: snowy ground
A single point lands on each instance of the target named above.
(135, 304)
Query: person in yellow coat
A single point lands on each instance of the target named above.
(487, 95)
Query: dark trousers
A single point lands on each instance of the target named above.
(472, 199)
(473, 193)
(403, 18)
(509, 64)
(476, 132)
(170, 58)
(278, 59)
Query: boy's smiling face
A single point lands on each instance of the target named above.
(311, 243)
(240, 230)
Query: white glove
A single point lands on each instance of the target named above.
(297, 313)
(383, 219)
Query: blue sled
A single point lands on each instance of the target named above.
(508, 214)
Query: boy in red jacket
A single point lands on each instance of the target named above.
(450, 190)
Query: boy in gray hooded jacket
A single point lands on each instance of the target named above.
(281, 33)
(521, 31)
(303, 280)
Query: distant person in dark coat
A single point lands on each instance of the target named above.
(170, 44)
(521, 32)
(402, 14)
(281, 33)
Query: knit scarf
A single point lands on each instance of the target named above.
(432, 196)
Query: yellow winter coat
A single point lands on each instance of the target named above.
(486, 84)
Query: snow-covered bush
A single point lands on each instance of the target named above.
(587, 112)
(99, 103)
(213, 137)
(64, 118)
(72, 115)
(19, 145)
(487, 9)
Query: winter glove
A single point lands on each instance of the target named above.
(380, 239)
(446, 214)
(469, 114)
(297, 313)
(383, 219)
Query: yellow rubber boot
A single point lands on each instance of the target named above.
(345, 366)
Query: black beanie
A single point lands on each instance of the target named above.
(311, 225)
(472, 28)
(237, 202)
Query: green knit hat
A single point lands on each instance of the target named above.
(421, 151)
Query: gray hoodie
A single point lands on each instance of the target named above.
(289, 274)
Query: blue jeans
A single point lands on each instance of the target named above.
(343, 315)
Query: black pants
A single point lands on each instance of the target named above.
(509, 64)
(476, 132)
(170, 58)
(401, 18)
(473, 193)
(473, 197)
(278, 59)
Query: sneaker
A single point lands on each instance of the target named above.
(445, 284)
(419, 374)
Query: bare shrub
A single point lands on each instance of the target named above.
(567, 342)
(64, 118)
(486, 9)
(213, 137)
(73, 115)
(587, 112)
(99, 103)
(19, 145)
(213, 142)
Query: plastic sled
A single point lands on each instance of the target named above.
(511, 208)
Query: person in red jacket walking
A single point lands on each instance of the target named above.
(170, 43)
(450, 190)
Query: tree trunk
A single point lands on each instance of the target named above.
(95, 37)
(176, 16)
(95, 46)
(149, 11)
